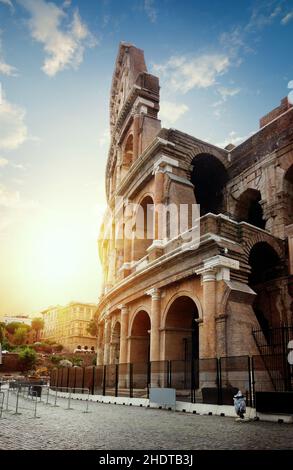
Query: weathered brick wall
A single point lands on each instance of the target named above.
(10, 363)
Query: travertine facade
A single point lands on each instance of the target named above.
(164, 296)
(68, 325)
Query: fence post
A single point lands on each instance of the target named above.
(83, 374)
(94, 379)
(130, 380)
(104, 380)
(69, 400)
(219, 381)
(2, 403)
(16, 405)
(149, 373)
(249, 380)
(253, 380)
(116, 379)
(7, 399)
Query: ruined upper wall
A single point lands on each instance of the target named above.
(129, 64)
(282, 108)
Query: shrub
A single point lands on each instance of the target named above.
(56, 359)
(27, 358)
(65, 363)
(77, 361)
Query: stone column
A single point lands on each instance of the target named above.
(289, 233)
(136, 146)
(124, 334)
(155, 324)
(107, 341)
(100, 349)
(208, 340)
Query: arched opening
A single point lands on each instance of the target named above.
(266, 269)
(181, 330)
(209, 177)
(115, 343)
(182, 342)
(248, 208)
(288, 190)
(128, 153)
(140, 338)
(144, 228)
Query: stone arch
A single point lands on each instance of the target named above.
(115, 342)
(266, 270)
(181, 336)
(139, 348)
(288, 194)
(209, 177)
(182, 293)
(248, 208)
(277, 245)
(127, 156)
(143, 235)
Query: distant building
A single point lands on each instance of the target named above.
(25, 319)
(68, 325)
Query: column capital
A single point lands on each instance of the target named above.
(164, 164)
(217, 267)
(123, 308)
(155, 293)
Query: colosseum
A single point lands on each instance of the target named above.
(221, 284)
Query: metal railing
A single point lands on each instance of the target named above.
(272, 344)
(211, 380)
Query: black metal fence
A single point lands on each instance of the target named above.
(213, 380)
(273, 347)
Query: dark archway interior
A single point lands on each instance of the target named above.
(140, 338)
(288, 188)
(182, 341)
(249, 209)
(266, 267)
(209, 177)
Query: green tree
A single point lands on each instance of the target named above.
(20, 335)
(2, 326)
(92, 328)
(37, 326)
(12, 327)
(27, 358)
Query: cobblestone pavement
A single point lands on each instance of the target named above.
(116, 427)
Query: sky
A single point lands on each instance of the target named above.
(222, 65)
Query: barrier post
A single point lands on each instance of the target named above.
(16, 405)
(87, 403)
(69, 400)
(55, 403)
(2, 403)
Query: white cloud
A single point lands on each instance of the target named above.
(13, 131)
(3, 162)
(64, 48)
(6, 69)
(8, 3)
(232, 138)
(104, 140)
(287, 18)
(183, 73)
(224, 93)
(150, 10)
(171, 112)
(12, 200)
(227, 92)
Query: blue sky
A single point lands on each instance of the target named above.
(222, 65)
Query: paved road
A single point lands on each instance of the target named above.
(109, 427)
